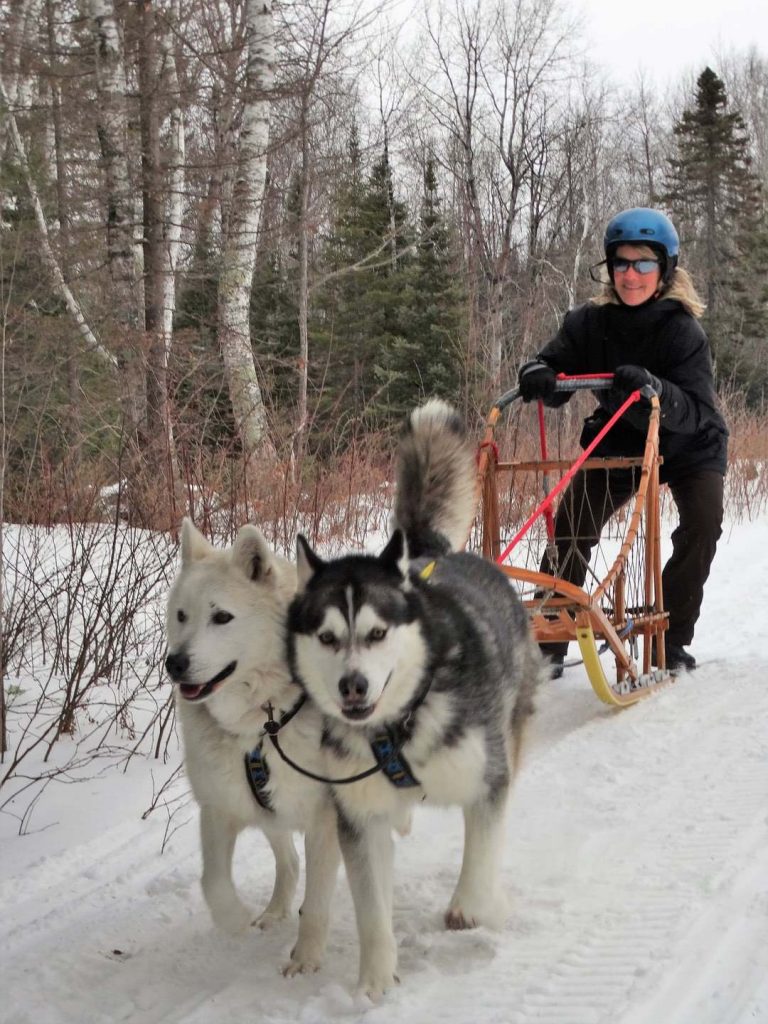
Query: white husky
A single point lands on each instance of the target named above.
(226, 635)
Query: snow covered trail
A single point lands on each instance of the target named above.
(636, 863)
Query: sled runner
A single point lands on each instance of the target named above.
(618, 613)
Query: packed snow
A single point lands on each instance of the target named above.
(636, 865)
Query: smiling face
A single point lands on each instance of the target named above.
(354, 642)
(632, 287)
(225, 617)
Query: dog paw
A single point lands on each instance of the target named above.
(234, 918)
(302, 964)
(471, 914)
(307, 954)
(456, 921)
(378, 964)
(403, 823)
(375, 985)
(271, 916)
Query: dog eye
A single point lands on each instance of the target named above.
(326, 638)
(181, 616)
(222, 618)
(376, 634)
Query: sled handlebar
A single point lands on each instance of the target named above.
(576, 382)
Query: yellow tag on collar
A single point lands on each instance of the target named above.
(428, 569)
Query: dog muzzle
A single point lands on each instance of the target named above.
(195, 692)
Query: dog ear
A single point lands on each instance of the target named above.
(395, 554)
(307, 562)
(194, 546)
(252, 554)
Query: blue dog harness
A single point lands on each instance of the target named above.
(256, 767)
(387, 751)
(386, 748)
(257, 775)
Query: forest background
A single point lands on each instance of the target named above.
(239, 240)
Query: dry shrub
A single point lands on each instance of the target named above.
(747, 482)
(337, 499)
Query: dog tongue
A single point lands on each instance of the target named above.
(190, 692)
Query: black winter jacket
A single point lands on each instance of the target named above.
(668, 341)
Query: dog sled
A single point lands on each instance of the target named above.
(617, 616)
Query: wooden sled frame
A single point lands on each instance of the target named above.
(572, 613)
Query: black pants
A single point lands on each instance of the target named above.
(588, 503)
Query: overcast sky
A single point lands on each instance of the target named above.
(670, 37)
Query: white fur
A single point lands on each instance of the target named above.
(219, 731)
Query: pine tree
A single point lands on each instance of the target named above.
(275, 332)
(198, 387)
(426, 360)
(358, 314)
(716, 199)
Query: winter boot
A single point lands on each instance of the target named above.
(677, 657)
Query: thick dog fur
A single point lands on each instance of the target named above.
(435, 646)
(226, 656)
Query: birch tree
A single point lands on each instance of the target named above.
(161, 203)
(176, 160)
(21, 39)
(239, 253)
(125, 269)
(49, 257)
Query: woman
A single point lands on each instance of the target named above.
(644, 328)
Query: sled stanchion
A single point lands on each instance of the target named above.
(548, 514)
(623, 604)
(487, 459)
(566, 479)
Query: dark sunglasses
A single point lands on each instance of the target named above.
(644, 266)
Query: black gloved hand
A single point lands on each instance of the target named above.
(536, 380)
(630, 378)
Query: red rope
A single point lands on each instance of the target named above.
(563, 483)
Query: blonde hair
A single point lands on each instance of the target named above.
(680, 287)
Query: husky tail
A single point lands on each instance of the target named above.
(436, 493)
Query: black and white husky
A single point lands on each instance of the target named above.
(226, 655)
(421, 661)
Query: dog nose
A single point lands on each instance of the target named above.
(177, 665)
(353, 687)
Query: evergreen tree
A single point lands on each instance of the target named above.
(45, 371)
(716, 198)
(275, 331)
(197, 383)
(427, 359)
(357, 317)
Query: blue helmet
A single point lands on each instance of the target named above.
(644, 226)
